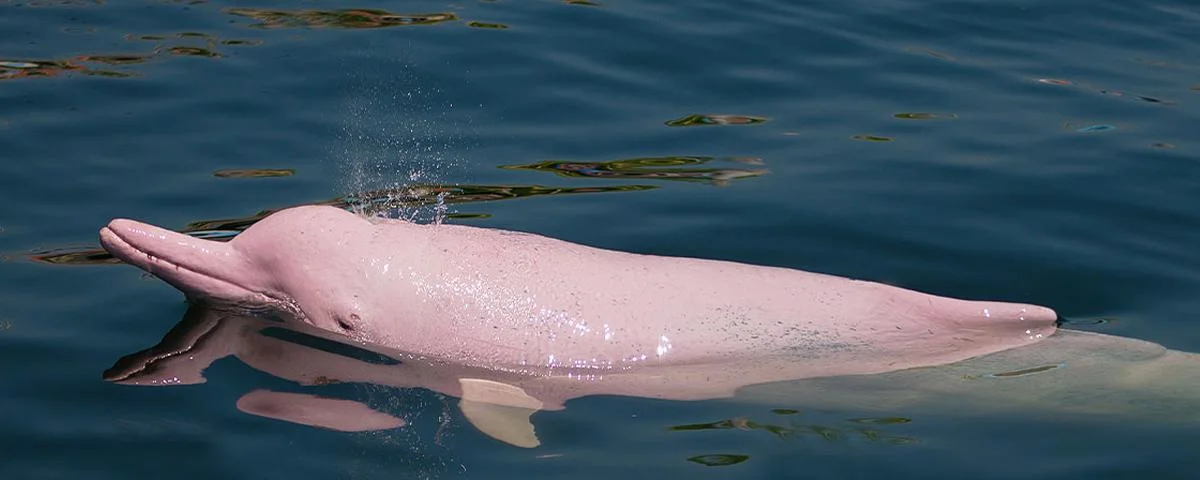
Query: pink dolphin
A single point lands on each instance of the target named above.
(1071, 374)
(535, 306)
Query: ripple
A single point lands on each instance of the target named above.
(657, 168)
(348, 18)
(254, 172)
(719, 459)
(703, 120)
(24, 69)
(825, 432)
(487, 25)
(13, 69)
(923, 116)
(872, 138)
(193, 52)
(1096, 128)
(1106, 91)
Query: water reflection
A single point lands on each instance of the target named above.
(871, 138)
(657, 168)
(488, 25)
(183, 44)
(392, 202)
(923, 115)
(719, 459)
(1074, 376)
(701, 120)
(254, 172)
(1060, 82)
(795, 428)
(498, 403)
(347, 18)
(18, 69)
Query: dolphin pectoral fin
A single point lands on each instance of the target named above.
(500, 411)
(510, 425)
(304, 409)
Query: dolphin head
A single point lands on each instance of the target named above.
(303, 260)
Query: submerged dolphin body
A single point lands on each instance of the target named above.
(536, 306)
(1070, 374)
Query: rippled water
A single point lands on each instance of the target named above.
(1042, 152)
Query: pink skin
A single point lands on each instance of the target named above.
(533, 305)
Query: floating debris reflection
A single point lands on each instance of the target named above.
(16, 69)
(11, 69)
(193, 52)
(488, 25)
(923, 116)
(254, 172)
(658, 168)
(348, 18)
(719, 459)
(871, 138)
(387, 203)
(1105, 91)
(794, 430)
(698, 120)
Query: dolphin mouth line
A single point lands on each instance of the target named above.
(153, 261)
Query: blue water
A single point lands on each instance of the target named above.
(1042, 152)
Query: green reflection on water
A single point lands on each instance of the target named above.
(795, 429)
(347, 18)
(11, 69)
(495, 26)
(193, 52)
(923, 115)
(871, 138)
(719, 459)
(657, 168)
(700, 120)
(254, 172)
(18, 69)
(116, 59)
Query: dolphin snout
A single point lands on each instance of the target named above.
(201, 269)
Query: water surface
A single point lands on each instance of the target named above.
(1024, 151)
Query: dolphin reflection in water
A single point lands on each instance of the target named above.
(1071, 373)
